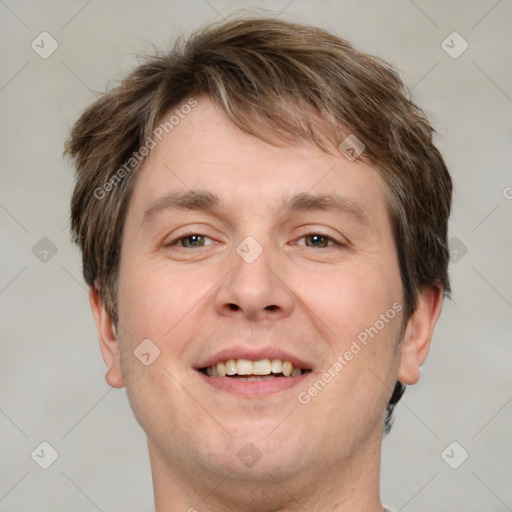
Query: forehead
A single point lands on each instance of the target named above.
(206, 151)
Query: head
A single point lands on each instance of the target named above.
(242, 131)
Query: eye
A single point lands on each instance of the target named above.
(318, 240)
(190, 241)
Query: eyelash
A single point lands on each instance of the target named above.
(323, 235)
(304, 235)
(184, 237)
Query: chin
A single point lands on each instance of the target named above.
(252, 454)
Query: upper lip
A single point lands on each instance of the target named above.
(253, 354)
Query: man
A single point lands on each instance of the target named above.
(263, 221)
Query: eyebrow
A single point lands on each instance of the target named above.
(190, 200)
(206, 201)
(329, 202)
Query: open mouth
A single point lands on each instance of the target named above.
(247, 370)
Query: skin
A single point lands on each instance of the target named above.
(303, 294)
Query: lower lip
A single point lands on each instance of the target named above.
(255, 388)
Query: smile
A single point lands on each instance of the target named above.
(247, 370)
(253, 378)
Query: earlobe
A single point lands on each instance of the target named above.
(418, 333)
(109, 343)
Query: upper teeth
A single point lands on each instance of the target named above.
(247, 367)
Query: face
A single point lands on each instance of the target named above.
(266, 281)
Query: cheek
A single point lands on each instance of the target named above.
(361, 325)
(360, 362)
(344, 302)
(153, 298)
(160, 404)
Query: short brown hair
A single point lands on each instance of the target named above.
(284, 83)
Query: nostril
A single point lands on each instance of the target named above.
(234, 307)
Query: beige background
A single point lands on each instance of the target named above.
(52, 384)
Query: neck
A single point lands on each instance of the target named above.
(351, 485)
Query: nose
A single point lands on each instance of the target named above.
(255, 289)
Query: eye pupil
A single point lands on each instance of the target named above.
(193, 241)
(317, 240)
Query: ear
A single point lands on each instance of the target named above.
(418, 333)
(109, 343)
